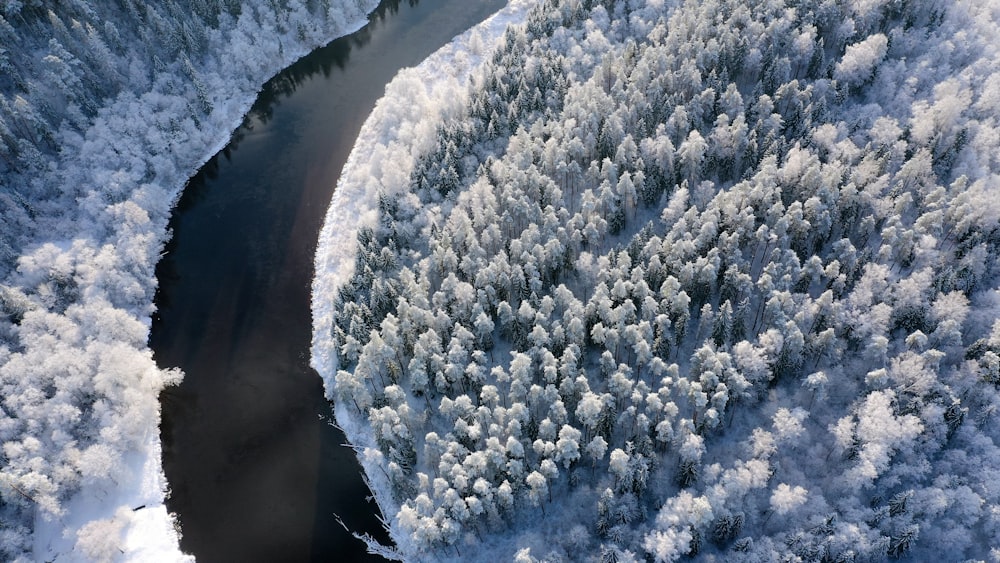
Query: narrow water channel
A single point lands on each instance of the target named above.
(255, 471)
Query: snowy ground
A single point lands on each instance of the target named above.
(401, 126)
(127, 519)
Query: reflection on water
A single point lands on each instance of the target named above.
(322, 61)
(255, 471)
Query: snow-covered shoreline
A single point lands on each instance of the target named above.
(401, 127)
(117, 508)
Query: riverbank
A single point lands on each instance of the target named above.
(400, 129)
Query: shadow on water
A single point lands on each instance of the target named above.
(256, 473)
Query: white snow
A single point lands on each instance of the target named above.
(147, 532)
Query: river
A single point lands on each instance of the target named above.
(256, 472)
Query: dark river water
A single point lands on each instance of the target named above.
(255, 471)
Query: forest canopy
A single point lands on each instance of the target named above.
(703, 278)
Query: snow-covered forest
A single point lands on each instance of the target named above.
(706, 278)
(106, 108)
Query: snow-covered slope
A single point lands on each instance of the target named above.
(106, 110)
(699, 278)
